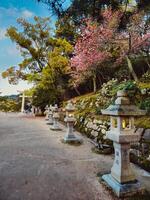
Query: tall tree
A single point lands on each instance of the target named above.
(66, 29)
(34, 43)
(55, 76)
(45, 59)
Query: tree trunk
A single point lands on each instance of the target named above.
(131, 69)
(77, 91)
(94, 83)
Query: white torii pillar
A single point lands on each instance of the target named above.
(23, 101)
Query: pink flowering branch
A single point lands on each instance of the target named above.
(97, 43)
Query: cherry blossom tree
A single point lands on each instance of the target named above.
(100, 43)
(93, 48)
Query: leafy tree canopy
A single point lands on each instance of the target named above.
(35, 42)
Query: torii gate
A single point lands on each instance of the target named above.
(23, 100)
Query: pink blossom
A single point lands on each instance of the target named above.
(97, 42)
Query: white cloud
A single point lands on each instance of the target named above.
(15, 12)
(8, 11)
(27, 14)
(8, 89)
(2, 33)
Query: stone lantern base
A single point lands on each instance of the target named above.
(72, 139)
(123, 190)
(46, 118)
(55, 128)
(50, 121)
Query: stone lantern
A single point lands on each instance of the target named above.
(122, 133)
(70, 120)
(55, 125)
(46, 112)
(50, 115)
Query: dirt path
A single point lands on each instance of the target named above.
(35, 165)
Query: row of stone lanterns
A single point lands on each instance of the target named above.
(52, 115)
(122, 133)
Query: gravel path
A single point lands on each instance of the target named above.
(35, 165)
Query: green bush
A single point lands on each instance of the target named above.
(145, 105)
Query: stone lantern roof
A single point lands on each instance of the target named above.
(70, 107)
(123, 107)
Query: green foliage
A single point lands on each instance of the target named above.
(76, 8)
(145, 105)
(128, 86)
(45, 60)
(110, 88)
(89, 106)
(146, 77)
(144, 87)
(43, 96)
(34, 42)
(54, 77)
(9, 105)
(65, 28)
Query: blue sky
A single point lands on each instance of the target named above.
(10, 10)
